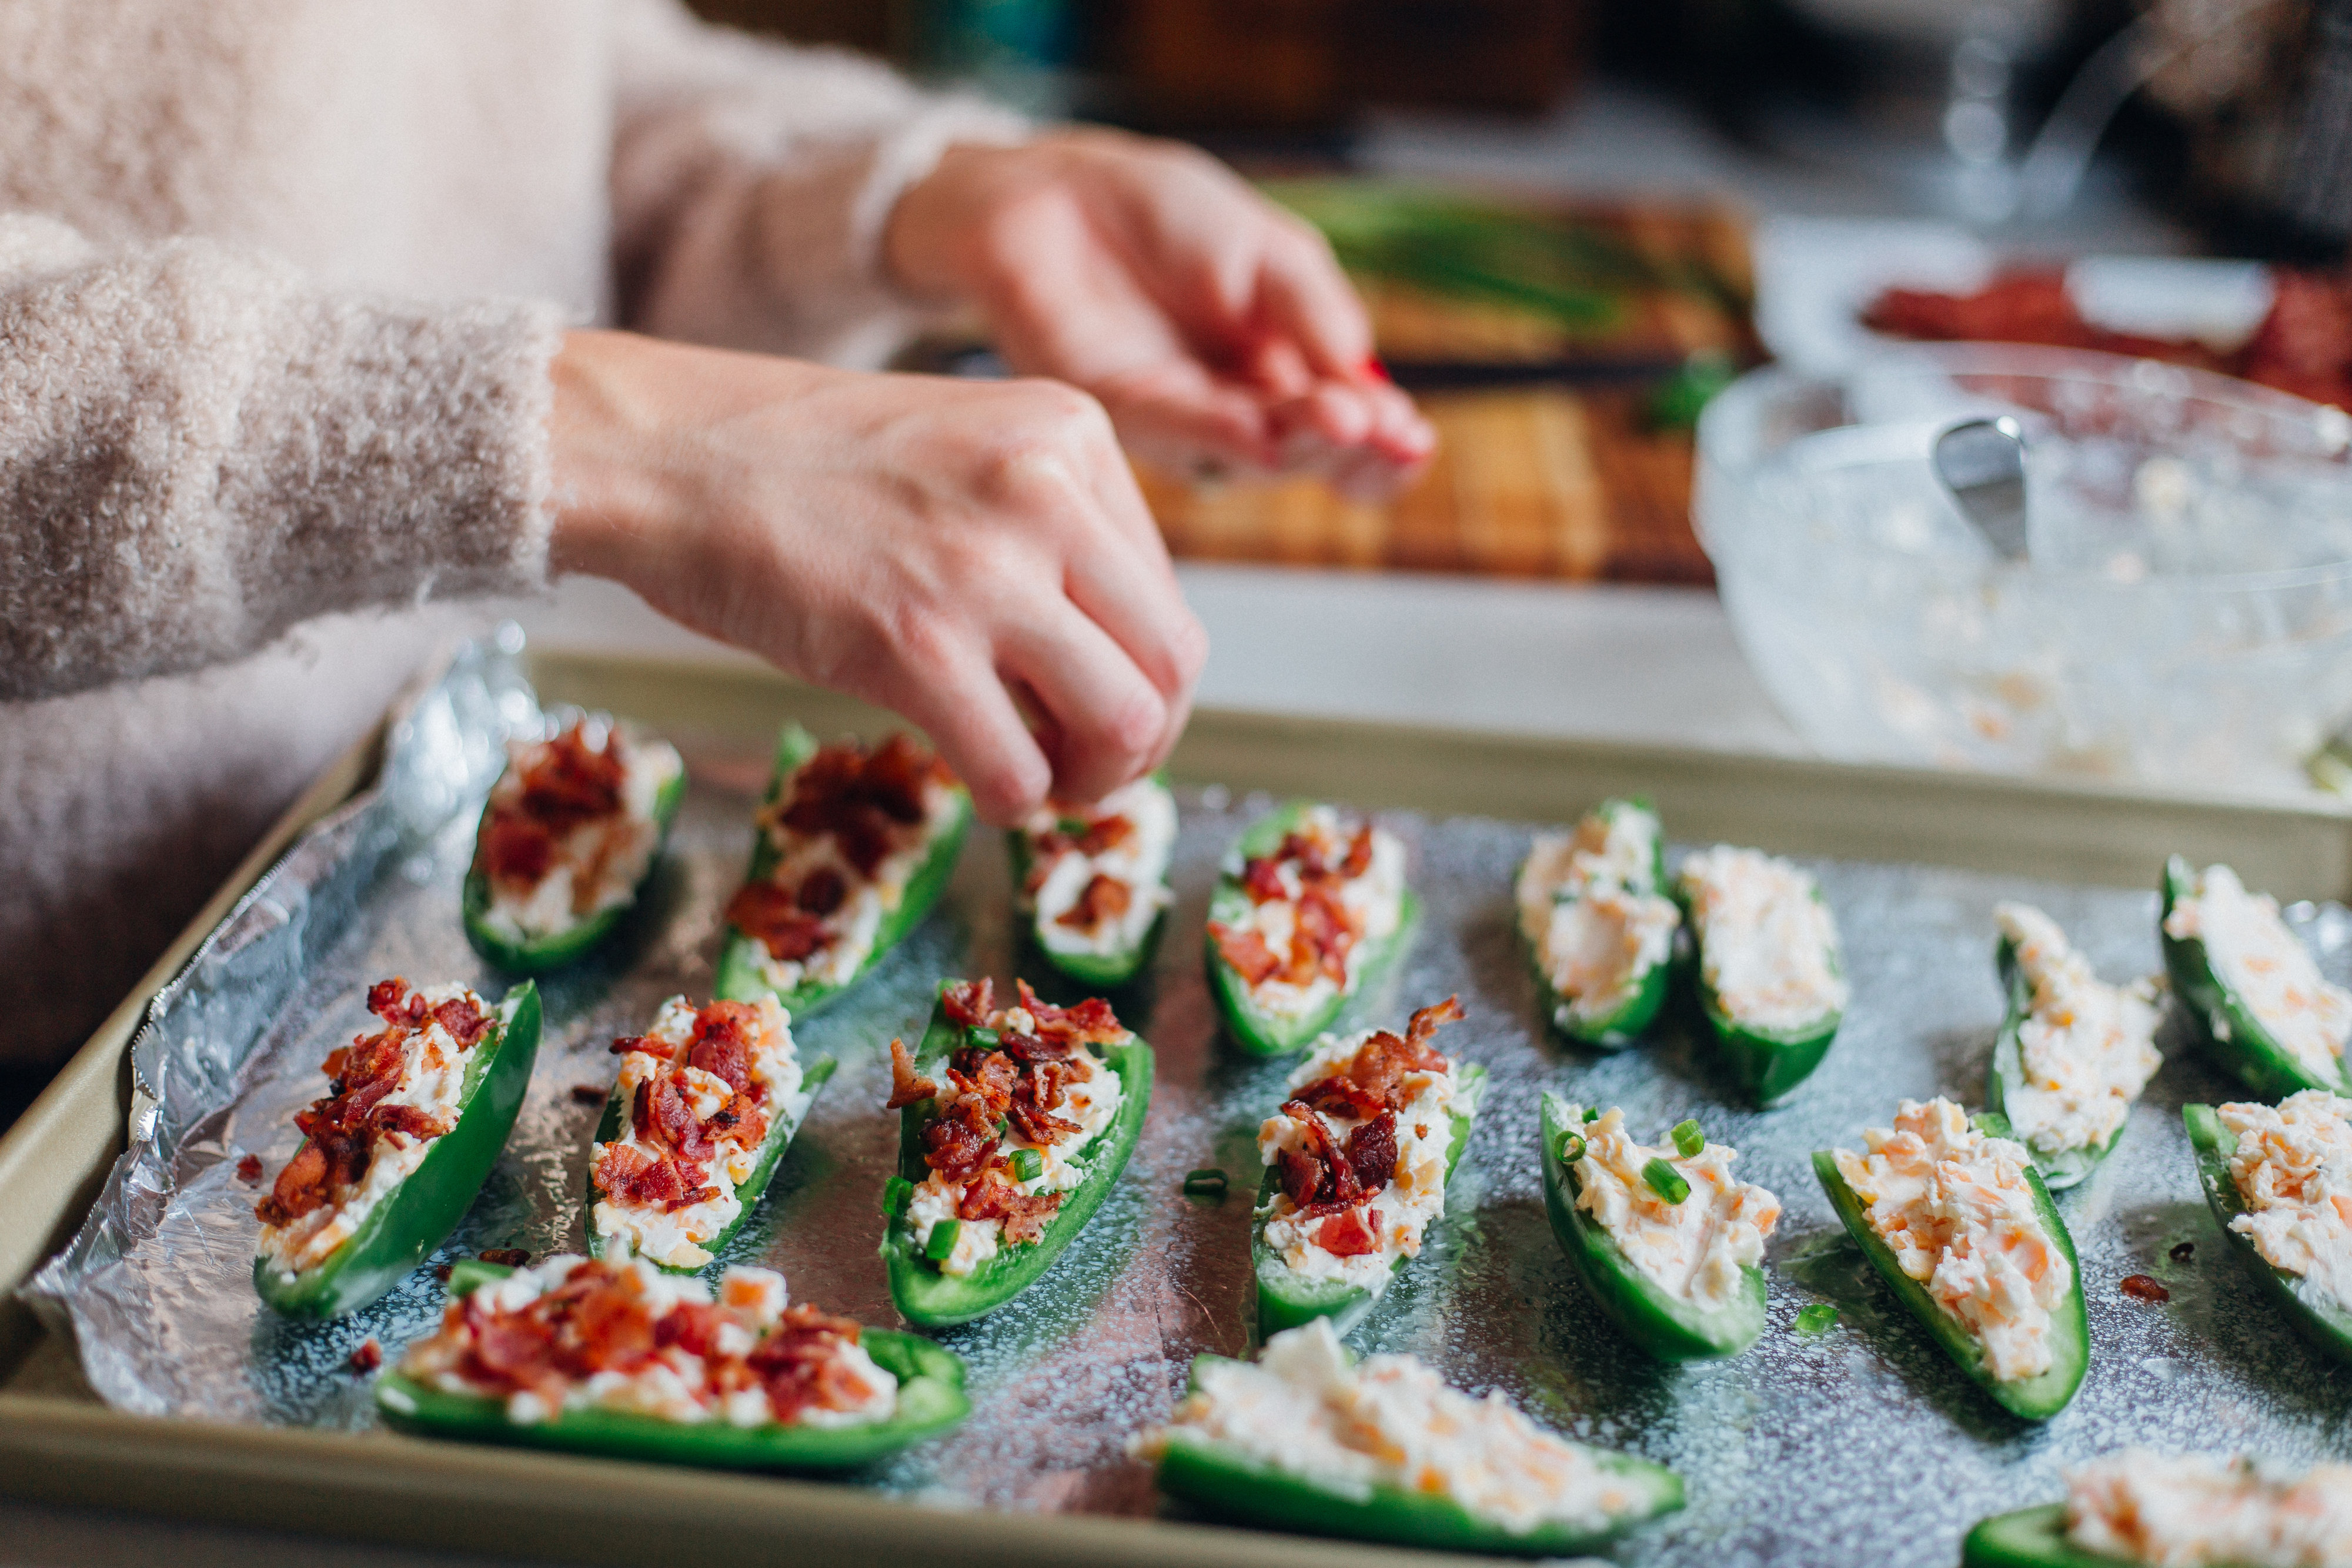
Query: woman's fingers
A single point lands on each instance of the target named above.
(960, 702)
(1305, 298)
(1106, 723)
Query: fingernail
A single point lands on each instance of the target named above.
(1371, 369)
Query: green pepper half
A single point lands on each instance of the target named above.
(538, 954)
(931, 1299)
(2005, 1076)
(1768, 1062)
(2324, 1322)
(418, 1215)
(2234, 1038)
(1624, 1024)
(931, 1401)
(1283, 1300)
(1256, 1031)
(739, 978)
(780, 1131)
(2030, 1538)
(1667, 1326)
(1223, 1480)
(2036, 1398)
(1105, 971)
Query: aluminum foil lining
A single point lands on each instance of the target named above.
(1861, 1445)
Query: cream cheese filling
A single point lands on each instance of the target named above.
(1140, 862)
(854, 925)
(676, 1237)
(1768, 946)
(1955, 1208)
(2192, 1511)
(2252, 953)
(555, 905)
(2085, 1050)
(1693, 1251)
(1388, 1421)
(2293, 1169)
(433, 1078)
(1415, 1193)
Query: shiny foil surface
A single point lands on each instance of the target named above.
(1860, 1445)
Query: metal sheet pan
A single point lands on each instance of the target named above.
(1099, 1347)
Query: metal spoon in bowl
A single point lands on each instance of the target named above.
(1982, 462)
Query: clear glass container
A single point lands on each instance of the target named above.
(2184, 618)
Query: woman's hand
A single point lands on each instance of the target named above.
(1214, 326)
(954, 550)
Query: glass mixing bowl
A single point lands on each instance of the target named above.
(2184, 618)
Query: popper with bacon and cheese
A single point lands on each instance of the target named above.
(1384, 1438)
(1096, 878)
(1030, 1072)
(703, 1104)
(357, 1207)
(1297, 927)
(2083, 1052)
(1666, 1242)
(1357, 1163)
(2268, 1012)
(569, 833)
(851, 844)
(1599, 930)
(617, 1334)
(1956, 1212)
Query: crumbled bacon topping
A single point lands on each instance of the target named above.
(668, 1166)
(248, 1168)
(368, 1356)
(1323, 930)
(342, 1129)
(906, 1087)
(598, 1321)
(1104, 898)
(1331, 1175)
(1094, 836)
(564, 784)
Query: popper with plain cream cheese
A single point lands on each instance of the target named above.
(2270, 1018)
(2073, 1054)
(1769, 978)
(1957, 1220)
(1307, 1439)
(1669, 1243)
(2177, 1511)
(2279, 1180)
(1597, 932)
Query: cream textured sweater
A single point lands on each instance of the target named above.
(279, 282)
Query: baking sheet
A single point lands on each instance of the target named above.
(1861, 1445)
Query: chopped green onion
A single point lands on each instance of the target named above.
(1072, 827)
(1688, 1138)
(1028, 1165)
(942, 1241)
(896, 1192)
(1592, 1112)
(1665, 1181)
(1208, 1183)
(976, 1035)
(1818, 1318)
(1571, 1148)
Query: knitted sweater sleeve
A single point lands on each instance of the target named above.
(751, 183)
(199, 449)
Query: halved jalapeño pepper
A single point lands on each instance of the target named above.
(1343, 1177)
(1092, 882)
(351, 1129)
(2128, 1011)
(961, 1246)
(2327, 1323)
(1598, 934)
(2236, 1036)
(2030, 1538)
(662, 1169)
(2036, 1398)
(927, 1398)
(1763, 921)
(1225, 1478)
(1307, 856)
(1665, 1325)
(573, 805)
(836, 818)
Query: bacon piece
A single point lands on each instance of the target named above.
(248, 1168)
(1104, 834)
(959, 1143)
(988, 1086)
(1338, 1096)
(1325, 934)
(1104, 897)
(1262, 880)
(1245, 952)
(1372, 1151)
(680, 1128)
(508, 1257)
(515, 851)
(862, 800)
(769, 916)
(1350, 1234)
(821, 891)
(629, 1175)
(1031, 1111)
(388, 999)
(411, 1121)
(368, 1356)
(1301, 1176)
(971, 1003)
(1426, 1021)
(1024, 1214)
(724, 1034)
(1337, 1182)
(1089, 1022)
(906, 1089)
(692, 1327)
(799, 1364)
(1028, 1048)
(1360, 853)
